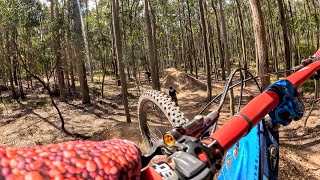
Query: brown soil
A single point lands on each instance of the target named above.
(35, 122)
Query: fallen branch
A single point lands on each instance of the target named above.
(46, 86)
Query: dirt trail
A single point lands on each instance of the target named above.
(34, 121)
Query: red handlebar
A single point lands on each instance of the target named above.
(114, 159)
(257, 108)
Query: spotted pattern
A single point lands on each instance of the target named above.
(113, 159)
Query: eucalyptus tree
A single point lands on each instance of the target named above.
(117, 34)
(261, 41)
(79, 45)
(206, 49)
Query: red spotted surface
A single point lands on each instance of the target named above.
(114, 159)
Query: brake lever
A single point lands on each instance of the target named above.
(155, 150)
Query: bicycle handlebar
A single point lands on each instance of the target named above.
(256, 109)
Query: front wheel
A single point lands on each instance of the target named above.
(157, 114)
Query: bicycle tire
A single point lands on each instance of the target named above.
(165, 105)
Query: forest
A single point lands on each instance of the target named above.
(62, 59)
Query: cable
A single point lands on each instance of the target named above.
(228, 87)
(241, 91)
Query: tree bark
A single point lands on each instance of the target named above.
(213, 63)
(8, 45)
(16, 63)
(192, 46)
(242, 35)
(226, 52)
(274, 49)
(117, 35)
(79, 48)
(284, 25)
(206, 51)
(155, 49)
(261, 41)
(182, 36)
(295, 57)
(306, 12)
(151, 52)
(316, 18)
(57, 49)
(87, 44)
(222, 64)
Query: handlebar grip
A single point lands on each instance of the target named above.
(303, 74)
(113, 159)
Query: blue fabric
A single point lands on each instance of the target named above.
(242, 160)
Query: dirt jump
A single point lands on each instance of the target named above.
(181, 81)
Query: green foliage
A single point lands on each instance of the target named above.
(35, 31)
(306, 50)
(308, 86)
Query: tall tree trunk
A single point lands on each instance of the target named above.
(261, 41)
(284, 25)
(316, 18)
(114, 59)
(79, 48)
(151, 52)
(117, 35)
(213, 62)
(87, 44)
(57, 49)
(71, 60)
(242, 35)
(17, 64)
(205, 43)
(295, 57)
(155, 49)
(133, 14)
(226, 52)
(274, 49)
(8, 45)
(70, 49)
(222, 64)
(182, 36)
(212, 51)
(306, 12)
(310, 27)
(124, 35)
(104, 70)
(192, 50)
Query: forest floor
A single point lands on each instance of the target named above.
(34, 121)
